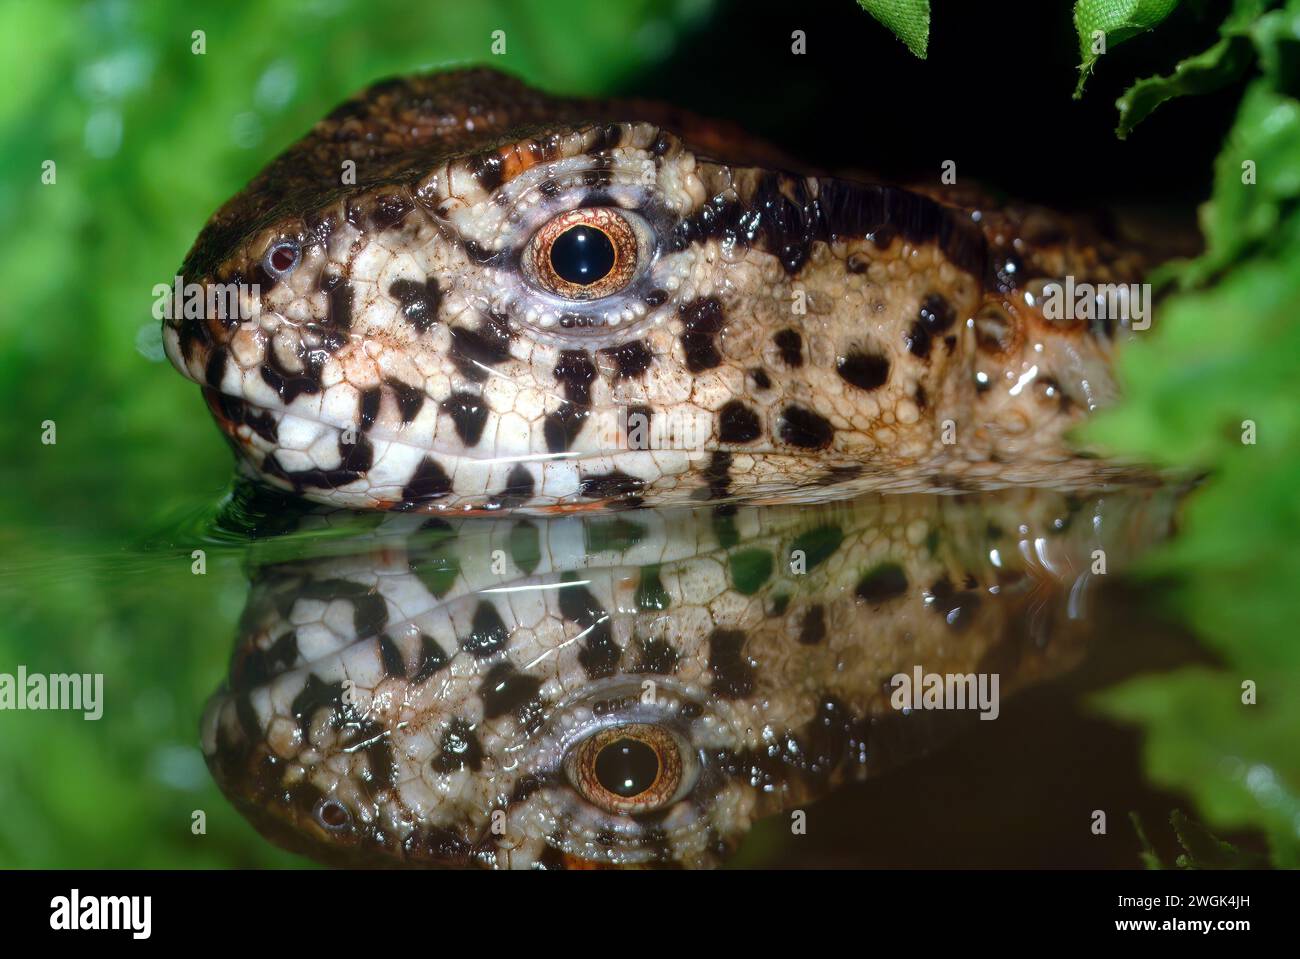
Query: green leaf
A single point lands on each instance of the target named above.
(1204, 850)
(1150, 858)
(1238, 761)
(1273, 33)
(1221, 356)
(908, 19)
(1263, 148)
(1116, 21)
(1205, 72)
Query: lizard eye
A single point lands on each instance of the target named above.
(628, 769)
(584, 254)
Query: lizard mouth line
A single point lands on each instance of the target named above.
(608, 421)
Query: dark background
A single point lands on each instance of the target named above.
(994, 94)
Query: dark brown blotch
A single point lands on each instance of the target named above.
(611, 485)
(390, 210)
(469, 414)
(410, 399)
(702, 321)
(488, 169)
(733, 673)
(215, 368)
(630, 359)
(866, 371)
(803, 428)
(391, 658)
(918, 340)
(789, 346)
(339, 302)
(475, 351)
(460, 748)
(737, 423)
(956, 606)
(504, 689)
(936, 315)
(575, 371)
(419, 301)
(488, 633)
(656, 655)
(518, 489)
(562, 427)
(718, 475)
(813, 629)
(885, 582)
(290, 385)
(429, 481)
(432, 659)
(368, 406)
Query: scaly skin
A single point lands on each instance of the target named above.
(390, 704)
(782, 333)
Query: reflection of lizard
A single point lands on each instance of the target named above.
(636, 688)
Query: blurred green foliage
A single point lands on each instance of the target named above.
(1216, 385)
(148, 138)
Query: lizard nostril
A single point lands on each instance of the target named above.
(333, 815)
(282, 258)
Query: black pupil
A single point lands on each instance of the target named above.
(582, 255)
(627, 767)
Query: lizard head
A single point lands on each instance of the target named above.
(458, 293)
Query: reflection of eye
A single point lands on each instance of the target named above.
(282, 257)
(333, 815)
(584, 254)
(632, 768)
